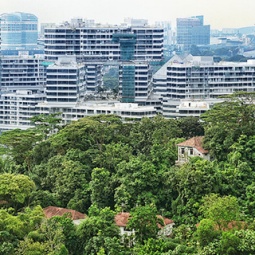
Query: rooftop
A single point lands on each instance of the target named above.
(195, 142)
(52, 211)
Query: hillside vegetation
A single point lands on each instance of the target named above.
(101, 166)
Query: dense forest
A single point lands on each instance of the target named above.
(101, 165)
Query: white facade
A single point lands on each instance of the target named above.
(17, 108)
(65, 81)
(22, 72)
(197, 79)
(127, 111)
(95, 42)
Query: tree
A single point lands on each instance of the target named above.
(186, 185)
(18, 144)
(48, 239)
(227, 121)
(143, 219)
(46, 123)
(206, 232)
(101, 188)
(190, 127)
(98, 232)
(222, 210)
(138, 183)
(64, 178)
(15, 188)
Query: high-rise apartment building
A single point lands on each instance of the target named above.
(135, 81)
(19, 31)
(22, 72)
(94, 43)
(200, 81)
(192, 31)
(65, 81)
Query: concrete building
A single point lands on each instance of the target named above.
(65, 81)
(191, 85)
(22, 71)
(19, 31)
(192, 31)
(17, 108)
(135, 81)
(192, 147)
(127, 111)
(95, 42)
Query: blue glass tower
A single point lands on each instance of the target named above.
(19, 31)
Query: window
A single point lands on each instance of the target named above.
(191, 151)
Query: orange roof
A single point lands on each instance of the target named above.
(51, 211)
(121, 219)
(165, 220)
(195, 142)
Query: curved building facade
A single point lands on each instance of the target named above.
(19, 31)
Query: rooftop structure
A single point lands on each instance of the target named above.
(52, 211)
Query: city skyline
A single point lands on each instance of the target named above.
(218, 14)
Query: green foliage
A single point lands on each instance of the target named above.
(144, 220)
(222, 210)
(101, 188)
(98, 232)
(206, 232)
(14, 189)
(138, 182)
(227, 121)
(99, 163)
(18, 143)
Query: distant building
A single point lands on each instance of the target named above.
(191, 85)
(192, 31)
(168, 33)
(65, 81)
(134, 81)
(94, 43)
(19, 31)
(22, 71)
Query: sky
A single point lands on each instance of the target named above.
(217, 13)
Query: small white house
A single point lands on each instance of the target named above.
(192, 147)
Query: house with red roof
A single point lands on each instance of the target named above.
(52, 211)
(121, 220)
(191, 148)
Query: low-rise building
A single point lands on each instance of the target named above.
(191, 148)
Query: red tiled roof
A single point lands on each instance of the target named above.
(195, 142)
(165, 220)
(121, 219)
(51, 211)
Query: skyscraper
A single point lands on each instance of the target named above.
(192, 31)
(19, 31)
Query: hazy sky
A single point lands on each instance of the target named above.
(218, 13)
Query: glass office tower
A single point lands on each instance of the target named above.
(19, 31)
